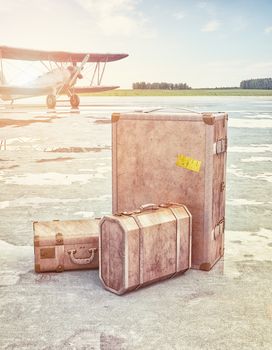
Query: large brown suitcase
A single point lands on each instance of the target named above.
(144, 246)
(178, 157)
(66, 245)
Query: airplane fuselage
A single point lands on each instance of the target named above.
(54, 79)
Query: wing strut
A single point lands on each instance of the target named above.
(97, 72)
(103, 70)
(94, 74)
(43, 63)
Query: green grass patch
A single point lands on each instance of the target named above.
(192, 92)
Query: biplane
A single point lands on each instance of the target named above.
(63, 70)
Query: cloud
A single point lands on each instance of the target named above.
(179, 15)
(75, 25)
(36, 30)
(211, 26)
(256, 69)
(268, 30)
(202, 4)
(113, 17)
(239, 23)
(259, 69)
(226, 72)
(208, 8)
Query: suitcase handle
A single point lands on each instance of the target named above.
(175, 108)
(142, 208)
(148, 206)
(169, 204)
(81, 261)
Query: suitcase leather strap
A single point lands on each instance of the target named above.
(141, 251)
(169, 205)
(178, 233)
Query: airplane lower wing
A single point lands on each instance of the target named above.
(90, 89)
(10, 93)
(36, 91)
(24, 91)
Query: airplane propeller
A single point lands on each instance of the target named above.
(72, 70)
(77, 72)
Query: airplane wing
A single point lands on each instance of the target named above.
(90, 89)
(57, 56)
(7, 91)
(27, 91)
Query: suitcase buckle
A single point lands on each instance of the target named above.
(59, 239)
(219, 229)
(221, 146)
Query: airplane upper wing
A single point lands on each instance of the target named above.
(57, 56)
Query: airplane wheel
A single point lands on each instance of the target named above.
(74, 100)
(51, 101)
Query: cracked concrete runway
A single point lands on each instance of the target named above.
(58, 166)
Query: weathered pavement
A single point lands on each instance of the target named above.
(58, 166)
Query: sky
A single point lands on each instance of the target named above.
(203, 43)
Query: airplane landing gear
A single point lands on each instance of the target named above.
(74, 101)
(51, 101)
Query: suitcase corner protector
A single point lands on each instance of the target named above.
(208, 119)
(115, 117)
(205, 266)
(37, 268)
(33, 225)
(60, 268)
(36, 241)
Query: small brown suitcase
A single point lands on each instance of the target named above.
(178, 157)
(144, 246)
(66, 245)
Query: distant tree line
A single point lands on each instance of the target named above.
(162, 86)
(265, 83)
(225, 88)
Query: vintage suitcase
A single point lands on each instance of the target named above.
(178, 157)
(144, 246)
(66, 245)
